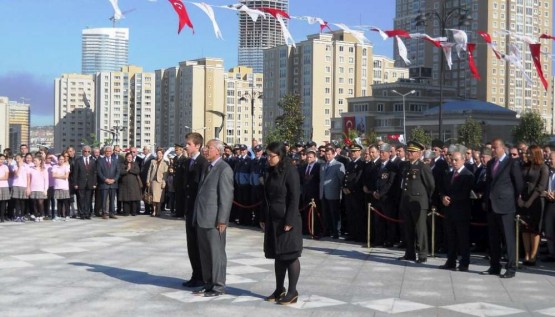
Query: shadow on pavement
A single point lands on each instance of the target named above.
(145, 278)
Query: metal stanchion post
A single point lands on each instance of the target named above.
(433, 231)
(517, 227)
(312, 204)
(369, 223)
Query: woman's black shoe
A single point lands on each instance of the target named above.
(289, 299)
(276, 296)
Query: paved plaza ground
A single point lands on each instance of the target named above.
(134, 266)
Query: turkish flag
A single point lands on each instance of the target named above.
(535, 50)
(348, 124)
(181, 11)
(471, 64)
(275, 12)
(393, 137)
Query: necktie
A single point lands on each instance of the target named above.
(495, 167)
(308, 170)
(455, 175)
(109, 162)
(86, 162)
(191, 162)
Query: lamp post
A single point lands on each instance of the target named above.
(404, 113)
(443, 17)
(253, 95)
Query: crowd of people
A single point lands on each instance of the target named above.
(326, 191)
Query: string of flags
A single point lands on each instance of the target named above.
(460, 38)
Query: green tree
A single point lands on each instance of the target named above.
(288, 126)
(419, 135)
(531, 129)
(91, 141)
(470, 133)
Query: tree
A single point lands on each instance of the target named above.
(288, 126)
(470, 133)
(419, 135)
(91, 141)
(530, 129)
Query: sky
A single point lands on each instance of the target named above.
(41, 39)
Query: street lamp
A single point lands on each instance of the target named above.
(443, 17)
(404, 114)
(253, 96)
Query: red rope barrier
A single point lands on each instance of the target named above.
(477, 224)
(386, 217)
(247, 207)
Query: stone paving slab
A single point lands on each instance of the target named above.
(134, 266)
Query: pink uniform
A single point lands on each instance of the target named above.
(4, 171)
(60, 170)
(39, 180)
(21, 179)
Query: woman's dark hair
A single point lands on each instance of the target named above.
(279, 149)
(128, 153)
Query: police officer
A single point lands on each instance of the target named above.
(354, 195)
(242, 192)
(417, 188)
(179, 180)
(257, 170)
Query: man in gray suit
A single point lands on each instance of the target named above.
(332, 174)
(211, 216)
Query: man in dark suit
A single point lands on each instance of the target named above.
(147, 160)
(211, 217)
(418, 186)
(370, 180)
(455, 196)
(139, 160)
(331, 181)
(84, 180)
(108, 176)
(504, 183)
(440, 168)
(257, 170)
(242, 187)
(192, 169)
(385, 198)
(179, 165)
(310, 184)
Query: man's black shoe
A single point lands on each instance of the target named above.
(193, 283)
(406, 258)
(508, 274)
(422, 260)
(202, 291)
(447, 267)
(213, 293)
(463, 268)
(491, 271)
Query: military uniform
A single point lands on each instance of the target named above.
(354, 197)
(417, 187)
(242, 192)
(257, 170)
(385, 190)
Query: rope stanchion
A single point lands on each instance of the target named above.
(311, 211)
(369, 225)
(517, 226)
(377, 211)
(434, 231)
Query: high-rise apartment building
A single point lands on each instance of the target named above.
(324, 70)
(125, 113)
(20, 124)
(74, 108)
(501, 83)
(243, 106)
(104, 49)
(188, 104)
(4, 123)
(385, 70)
(254, 37)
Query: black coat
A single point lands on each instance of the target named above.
(84, 176)
(504, 186)
(129, 189)
(458, 190)
(281, 207)
(192, 175)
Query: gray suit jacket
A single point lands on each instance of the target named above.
(215, 196)
(331, 179)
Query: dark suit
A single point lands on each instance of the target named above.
(179, 167)
(85, 178)
(213, 207)
(457, 215)
(418, 186)
(192, 169)
(354, 199)
(386, 176)
(501, 193)
(439, 169)
(310, 182)
(106, 171)
(331, 181)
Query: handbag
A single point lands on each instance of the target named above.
(147, 196)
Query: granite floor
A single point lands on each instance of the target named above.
(134, 266)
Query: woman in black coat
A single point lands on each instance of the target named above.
(281, 222)
(129, 192)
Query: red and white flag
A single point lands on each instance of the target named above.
(313, 20)
(181, 11)
(492, 45)
(447, 48)
(402, 50)
(535, 50)
(436, 41)
(471, 63)
(279, 15)
(252, 13)
(357, 34)
(390, 33)
(461, 39)
(546, 36)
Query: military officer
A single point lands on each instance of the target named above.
(257, 170)
(354, 195)
(385, 195)
(242, 193)
(417, 188)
